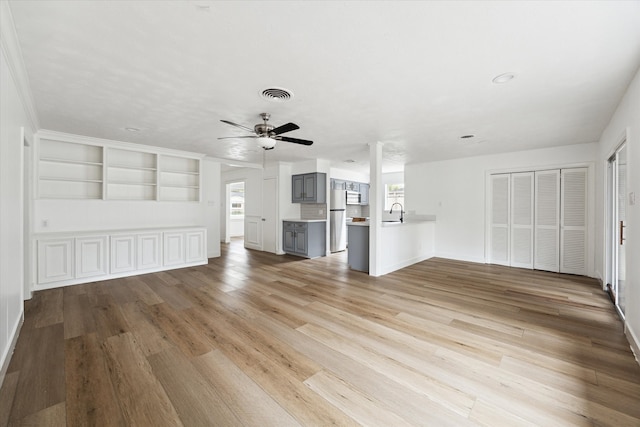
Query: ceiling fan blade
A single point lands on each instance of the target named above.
(242, 136)
(285, 128)
(294, 140)
(236, 125)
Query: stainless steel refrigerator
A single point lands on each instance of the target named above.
(338, 221)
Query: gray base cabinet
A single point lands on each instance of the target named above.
(306, 239)
(358, 247)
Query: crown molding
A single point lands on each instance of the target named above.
(13, 54)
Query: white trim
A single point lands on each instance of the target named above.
(405, 263)
(6, 357)
(634, 343)
(15, 62)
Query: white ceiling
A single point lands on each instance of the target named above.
(414, 75)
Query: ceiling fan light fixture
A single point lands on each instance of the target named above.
(266, 142)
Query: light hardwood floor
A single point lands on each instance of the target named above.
(254, 339)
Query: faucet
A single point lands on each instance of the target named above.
(401, 211)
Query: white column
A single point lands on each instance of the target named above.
(376, 204)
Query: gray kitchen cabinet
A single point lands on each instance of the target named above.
(358, 253)
(364, 194)
(338, 184)
(353, 186)
(306, 239)
(309, 188)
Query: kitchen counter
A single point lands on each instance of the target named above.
(391, 223)
(401, 243)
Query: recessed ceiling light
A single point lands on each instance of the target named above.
(503, 78)
(132, 129)
(202, 6)
(467, 136)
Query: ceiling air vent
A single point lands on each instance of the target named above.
(276, 94)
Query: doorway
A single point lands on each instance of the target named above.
(235, 209)
(616, 240)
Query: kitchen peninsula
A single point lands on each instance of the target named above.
(402, 243)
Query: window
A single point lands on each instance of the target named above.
(236, 196)
(393, 193)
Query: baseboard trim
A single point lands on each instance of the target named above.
(406, 263)
(455, 257)
(634, 343)
(6, 357)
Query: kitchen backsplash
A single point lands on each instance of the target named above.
(312, 211)
(357, 211)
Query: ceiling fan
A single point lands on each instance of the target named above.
(267, 134)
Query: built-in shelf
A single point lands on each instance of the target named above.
(131, 175)
(73, 170)
(179, 179)
(133, 183)
(111, 165)
(70, 171)
(74, 162)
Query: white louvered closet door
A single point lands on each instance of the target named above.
(547, 221)
(500, 184)
(573, 221)
(521, 247)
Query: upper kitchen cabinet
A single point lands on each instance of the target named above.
(309, 188)
(353, 186)
(364, 194)
(338, 184)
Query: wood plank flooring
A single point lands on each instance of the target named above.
(254, 339)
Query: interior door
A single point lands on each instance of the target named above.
(269, 215)
(573, 221)
(547, 220)
(522, 220)
(500, 218)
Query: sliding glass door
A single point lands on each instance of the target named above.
(617, 225)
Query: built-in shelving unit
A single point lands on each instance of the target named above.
(131, 175)
(70, 171)
(75, 170)
(179, 178)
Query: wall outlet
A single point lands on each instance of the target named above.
(320, 211)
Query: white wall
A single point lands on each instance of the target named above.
(454, 191)
(14, 116)
(625, 121)
(347, 175)
(281, 171)
(236, 227)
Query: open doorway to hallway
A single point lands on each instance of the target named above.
(235, 209)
